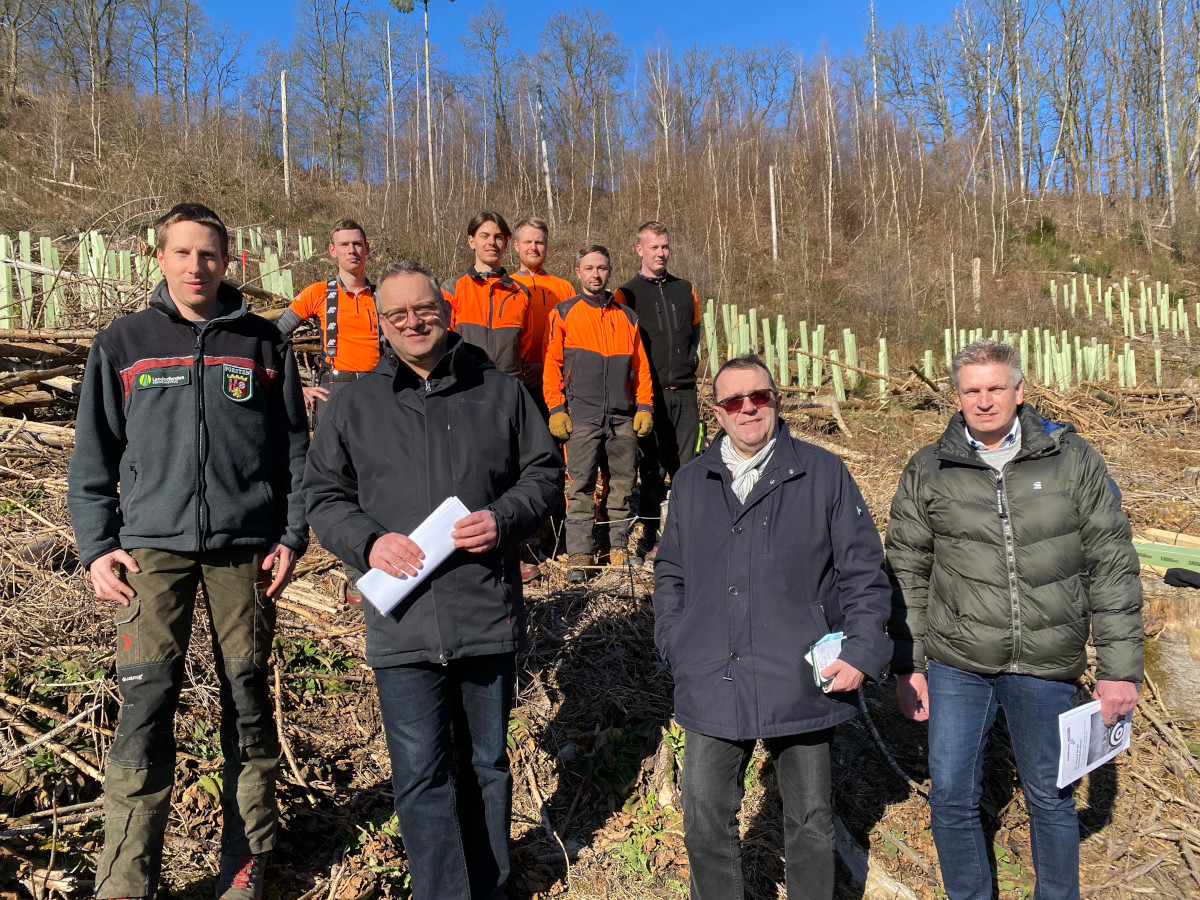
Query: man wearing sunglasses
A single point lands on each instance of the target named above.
(768, 547)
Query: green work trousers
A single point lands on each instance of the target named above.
(152, 640)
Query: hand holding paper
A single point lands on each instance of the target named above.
(476, 533)
(413, 558)
(839, 675)
(395, 554)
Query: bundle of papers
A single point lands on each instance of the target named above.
(821, 654)
(433, 537)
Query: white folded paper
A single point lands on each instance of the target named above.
(1085, 742)
(433, 537)
(821, 655)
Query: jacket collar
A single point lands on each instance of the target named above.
(661, 279)
(1039, 437)
(598, 302)
(460, 360)
(500, 273)
(785, 465)
(232, 303)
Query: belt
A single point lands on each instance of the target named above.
(338, 375)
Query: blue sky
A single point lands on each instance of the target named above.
(806, 25)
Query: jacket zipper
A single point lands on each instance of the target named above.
(199, 367)
(606, 348)
(670, 320)
(427, 387)
(1010, 560)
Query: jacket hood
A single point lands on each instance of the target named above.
(232, 302)
(1038, 434)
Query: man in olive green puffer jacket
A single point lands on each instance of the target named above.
(1007, 545)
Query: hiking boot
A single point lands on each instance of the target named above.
(241, 877)
(352, 595)
(577, 564)
(618, 557)
(644, 553)
(529, 572)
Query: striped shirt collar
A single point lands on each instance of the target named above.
(1013, 437)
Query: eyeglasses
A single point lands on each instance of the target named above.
(759, 398)
(426, 312)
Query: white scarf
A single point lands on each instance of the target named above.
(745, 472)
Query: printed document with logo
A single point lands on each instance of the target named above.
(433, 537)
(1087, 742)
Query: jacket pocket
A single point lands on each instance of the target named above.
(129, 485)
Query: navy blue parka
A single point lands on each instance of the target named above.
(741, 591)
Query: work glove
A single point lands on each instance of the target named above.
(643, 423)
(560, 425)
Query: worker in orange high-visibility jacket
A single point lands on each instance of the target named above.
(531, 242)
(491, 310)
(597, 385)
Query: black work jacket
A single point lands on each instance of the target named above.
(390, 448)
(669, 317)
(202, 427)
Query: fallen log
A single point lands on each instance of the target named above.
(37, 433)
(35, 376)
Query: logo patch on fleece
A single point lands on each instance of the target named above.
(238, 382)
(177, 376)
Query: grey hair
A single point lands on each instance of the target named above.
(749, 361)
(411, 267)
(984, 353)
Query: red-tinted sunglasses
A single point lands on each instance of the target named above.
(759, 398)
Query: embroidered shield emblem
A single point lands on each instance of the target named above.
(238, 382)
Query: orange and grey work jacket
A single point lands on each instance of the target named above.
(545, 292)
(492, 311)
(595, 364)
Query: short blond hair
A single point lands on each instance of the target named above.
(653, 226)
(533, 222)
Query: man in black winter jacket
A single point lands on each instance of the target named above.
(436, 419)
(669, 318)
(193, 407)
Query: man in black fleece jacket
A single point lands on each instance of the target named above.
(193, 407)
(437, 419)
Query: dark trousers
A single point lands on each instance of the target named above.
(713, 785)
(614, 446)
(326, 381)
(447, 729)
(153, 633)
(674, 441)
